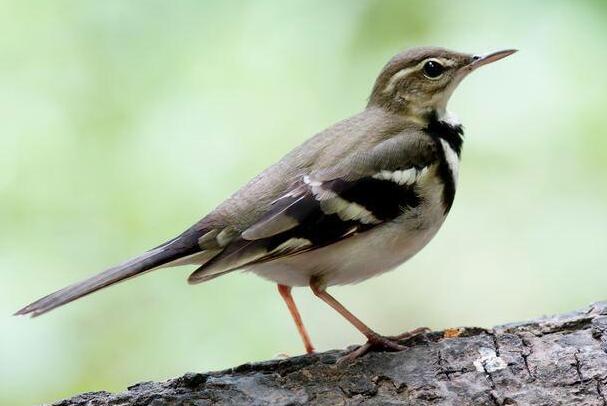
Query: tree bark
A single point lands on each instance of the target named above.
(557, 360)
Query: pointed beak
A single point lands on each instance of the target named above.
(480, 60)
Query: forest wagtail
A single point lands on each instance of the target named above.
(355, 200)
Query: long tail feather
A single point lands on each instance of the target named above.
(148, 261)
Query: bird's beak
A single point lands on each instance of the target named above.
(480, 60)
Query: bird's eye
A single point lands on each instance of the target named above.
(433, 69)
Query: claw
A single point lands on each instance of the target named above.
(410, 334)
(375, 343)
(380, 343)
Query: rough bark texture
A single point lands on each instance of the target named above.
(558, 360)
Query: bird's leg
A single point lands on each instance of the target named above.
(285, 293)
(374, 340)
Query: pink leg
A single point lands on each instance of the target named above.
(374, 340)
(285, 293)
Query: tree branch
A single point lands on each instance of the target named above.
(548, 361)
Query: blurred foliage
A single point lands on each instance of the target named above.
(124, 122)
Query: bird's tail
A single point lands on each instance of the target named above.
(152, 259)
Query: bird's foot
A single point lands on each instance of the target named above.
(410, 334)
(381, 343)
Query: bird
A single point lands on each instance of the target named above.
(352, 202)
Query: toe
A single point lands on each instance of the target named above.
(358, 352)
(411, 334)
(375, 343)
(385, 343)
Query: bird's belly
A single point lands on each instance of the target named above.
(364, 255)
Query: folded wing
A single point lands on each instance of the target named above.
(329, 205)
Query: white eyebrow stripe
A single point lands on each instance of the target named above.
(405, 71)
(397, 76)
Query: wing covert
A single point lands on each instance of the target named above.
(330, 205)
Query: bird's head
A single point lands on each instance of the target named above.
(419, 81)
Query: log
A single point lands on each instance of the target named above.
(556, 360)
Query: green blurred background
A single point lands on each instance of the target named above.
(124, 122)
